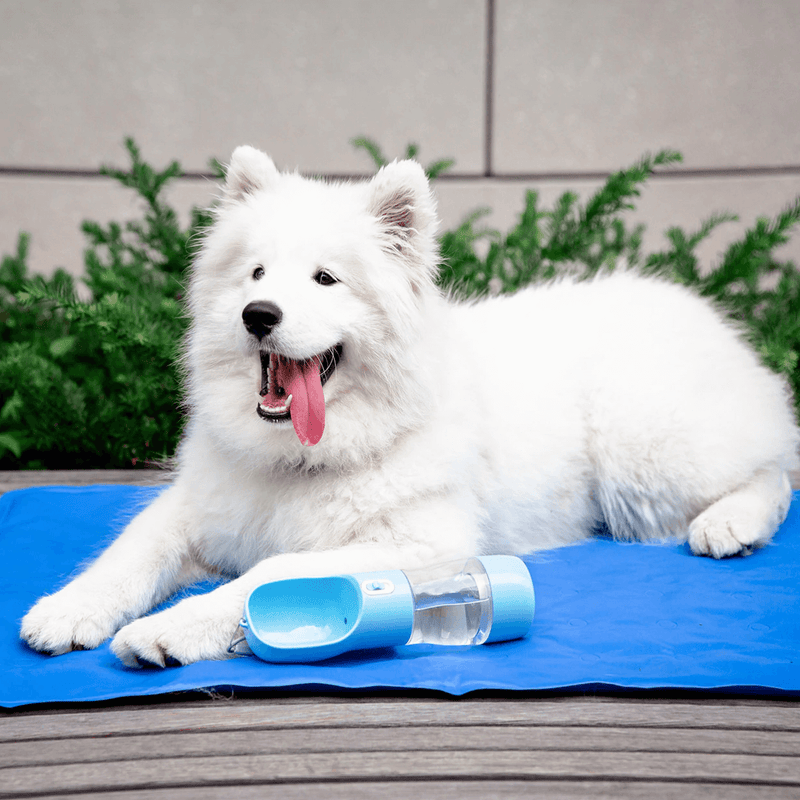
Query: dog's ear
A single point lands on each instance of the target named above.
(401, 199)
(249, 171)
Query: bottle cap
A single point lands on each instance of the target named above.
(513, 599)
(311, 619)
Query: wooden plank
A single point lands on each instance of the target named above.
(351, 712)
(456, 790)
(435, 738)
(17, 479)
(386, 765)
(20, 479)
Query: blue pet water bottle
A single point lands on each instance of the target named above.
(485, 599)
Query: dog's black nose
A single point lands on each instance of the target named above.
(260, 317)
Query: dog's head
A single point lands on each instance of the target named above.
(312, 294)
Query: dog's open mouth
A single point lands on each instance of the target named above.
(292, 389)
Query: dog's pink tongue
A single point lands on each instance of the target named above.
(301, 379)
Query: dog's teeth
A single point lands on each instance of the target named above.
(274, 409)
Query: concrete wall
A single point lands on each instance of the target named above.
(522, 93)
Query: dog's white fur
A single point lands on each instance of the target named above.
(507, 425)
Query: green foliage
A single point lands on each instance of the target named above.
(93, 381)
(90, 379)
(761, 291)
(373, 150)
(546, 243)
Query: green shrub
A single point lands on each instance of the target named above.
(95, 382)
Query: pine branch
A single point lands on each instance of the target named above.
(372, 149)
(379, 160)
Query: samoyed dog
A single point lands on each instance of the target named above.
(345, 416)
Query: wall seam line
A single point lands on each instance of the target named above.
(788, 170)
(488, 121)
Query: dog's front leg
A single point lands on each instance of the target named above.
(201, 627)
(146, 564)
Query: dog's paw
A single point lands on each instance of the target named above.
(193, 630)
(715, 539)
(721, 531)
(68, 620)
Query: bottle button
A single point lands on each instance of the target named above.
(377, 586)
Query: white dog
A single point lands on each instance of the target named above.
(347, 417)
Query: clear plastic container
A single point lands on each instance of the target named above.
(452, 603)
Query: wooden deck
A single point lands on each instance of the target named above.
(390, 745)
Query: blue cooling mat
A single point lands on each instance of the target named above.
(608, 615)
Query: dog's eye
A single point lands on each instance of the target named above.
(258, 273)
(324, 278)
